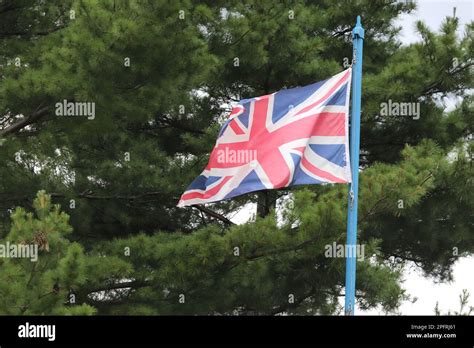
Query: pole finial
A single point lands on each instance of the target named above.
(358, 31)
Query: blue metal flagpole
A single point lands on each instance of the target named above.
(357, 41)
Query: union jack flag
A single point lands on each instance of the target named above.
(292, 137)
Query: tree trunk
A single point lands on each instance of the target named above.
(266, 201)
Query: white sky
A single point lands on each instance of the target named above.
(432, 12)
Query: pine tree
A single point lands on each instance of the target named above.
(45, 282)
(161, 75)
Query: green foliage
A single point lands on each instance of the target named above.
(127, 248)
(464, 308)
(42, 284)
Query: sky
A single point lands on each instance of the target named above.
(432, 13)
(427, 292)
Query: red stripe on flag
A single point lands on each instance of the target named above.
(323, 124)
(236, 128)
(319, 172)
(326, 96)
(205, 194)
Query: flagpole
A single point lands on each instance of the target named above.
(357, 41)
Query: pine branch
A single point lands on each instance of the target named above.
(286, 306)
(135, 284)
(23, 122)
(342, 32)
(214, 214)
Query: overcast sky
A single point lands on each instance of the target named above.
(432, 12)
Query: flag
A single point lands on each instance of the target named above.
(292, 137)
